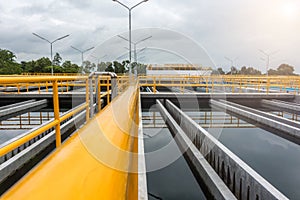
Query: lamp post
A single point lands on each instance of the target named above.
(135, 44)
(82, 52)
(268, 55)
(51, 48)
(136, 52)
(231, 61)
(129, 10)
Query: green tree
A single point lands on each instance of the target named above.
(101, 66)
(88, 66)
(8, 64)
(249, 71)
(110, 68)
(42, 65)
(141, 68)
(119, 68)
(57, 59)
(69, 67)
(283, 70)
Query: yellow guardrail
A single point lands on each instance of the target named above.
(228, 82)
(54, 82)
(57, 118)
(44, 86)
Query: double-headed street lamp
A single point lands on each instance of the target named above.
(129, 9)
(51, 48)
(135, 44)
(268, 55)
(82, 52)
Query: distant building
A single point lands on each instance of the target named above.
(178, 69)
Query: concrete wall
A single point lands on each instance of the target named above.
(292, 133)
(242, 180)
(213, 183)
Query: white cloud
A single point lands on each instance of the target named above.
(225, 28)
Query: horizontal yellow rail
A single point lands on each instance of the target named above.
(15, 144)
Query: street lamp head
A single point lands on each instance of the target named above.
(114, 0)
(146, 0)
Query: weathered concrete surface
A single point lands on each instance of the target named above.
(214, 183)
(239, 177)
(291, 131)
(285, 106)
(265, 114)
(21, 107)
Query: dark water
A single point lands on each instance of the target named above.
(274, 158)
(173, 181)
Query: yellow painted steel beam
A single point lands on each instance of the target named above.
(94, 163)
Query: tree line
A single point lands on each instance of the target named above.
(9, 65)
(283, 70)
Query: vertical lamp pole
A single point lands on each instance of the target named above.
(231, 61)
(268, 55)
(51, 49)
(129, 10)
(82, 52)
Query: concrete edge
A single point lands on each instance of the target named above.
(142, 173)
(16, 104)
(270, 191)
(19, 108)
(214, 183)
(291, 131)
(265, 114)
(282, 105)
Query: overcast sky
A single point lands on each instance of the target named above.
(231, 28)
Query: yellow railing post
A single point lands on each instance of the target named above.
(268, 85)
(87, 100)
(154, 85)
(56, 113)
(107, 90)
(99, 95)
(47, 86)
